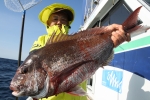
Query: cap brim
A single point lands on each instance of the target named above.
(67, 12)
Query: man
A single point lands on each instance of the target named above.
(58, 18)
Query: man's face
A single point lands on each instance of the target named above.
(58, 18)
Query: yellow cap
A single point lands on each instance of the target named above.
(56, 7)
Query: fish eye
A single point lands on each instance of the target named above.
(24, 70)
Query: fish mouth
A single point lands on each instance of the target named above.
(18, 91)
(15, 92)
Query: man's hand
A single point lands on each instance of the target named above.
(118, 34)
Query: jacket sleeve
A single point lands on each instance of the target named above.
(39, 43)
(43, 39)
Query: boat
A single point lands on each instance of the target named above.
(127, 76)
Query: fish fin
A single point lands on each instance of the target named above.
(139, 29)
(58, 38)
(131, 24)
(78, 35)
(132, 20)
(77, 91)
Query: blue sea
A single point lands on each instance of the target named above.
(8, 68)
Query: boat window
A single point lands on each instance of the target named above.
(96, 24)
(148, 1)
(90, 81)
(145, 3)
(117, 15)
(90, 85)
(105, 20)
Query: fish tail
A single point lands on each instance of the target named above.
(131, 23)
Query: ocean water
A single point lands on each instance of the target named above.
(8, 68)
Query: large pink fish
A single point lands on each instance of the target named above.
(66, 61)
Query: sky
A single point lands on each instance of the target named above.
(11, 22)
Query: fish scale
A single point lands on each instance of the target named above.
(78, 75)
